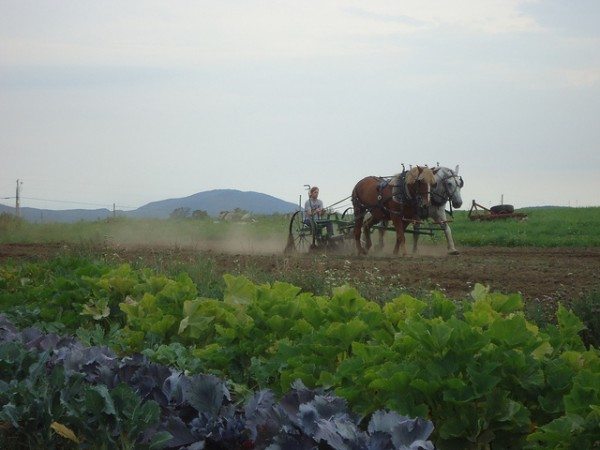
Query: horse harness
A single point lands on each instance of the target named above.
(400, 194)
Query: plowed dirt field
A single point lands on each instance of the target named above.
(543, 275)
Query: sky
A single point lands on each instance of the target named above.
(129, 102)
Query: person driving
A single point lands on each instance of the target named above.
(313, 208)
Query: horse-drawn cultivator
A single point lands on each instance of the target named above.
(406, 200)
(309, 235)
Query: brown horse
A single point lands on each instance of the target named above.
(401, 199)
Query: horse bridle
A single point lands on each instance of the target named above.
(448, 195)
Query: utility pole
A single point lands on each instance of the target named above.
(18, 199)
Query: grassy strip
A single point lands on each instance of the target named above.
(544, 227)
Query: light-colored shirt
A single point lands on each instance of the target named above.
(312, 205)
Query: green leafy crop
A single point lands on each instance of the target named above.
(484, 374)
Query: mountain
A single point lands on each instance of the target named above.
(213, 202)
(68, 215)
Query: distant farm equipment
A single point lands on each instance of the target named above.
(481, 213)
(237, 215)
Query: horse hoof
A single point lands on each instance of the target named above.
(454, 252)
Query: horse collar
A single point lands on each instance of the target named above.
(400, 192)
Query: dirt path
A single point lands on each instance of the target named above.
(539, 274)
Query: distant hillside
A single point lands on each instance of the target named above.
(49, 215)
(213, 202)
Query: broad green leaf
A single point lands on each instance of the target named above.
(512, 332)
(229, 333)
(458, 391)
(481, 314)
(160, 440)
(302, 328)
(345, 303)
(431, 334)
(543, 350)
(558, 433)
(195, 326)
(484, 376)
(569, 326)
(559, 374)
(348, 295)
(176, 291)
(501, 408)
(283, 291)
(403, 307)
(326, 379)
(506, 304)
(144, 415)
(97, 398)
(429, 388)
(277, 323)
(97, 308)
(163, 325)
(130, 307)
(440, 335)
(148, 304)
(239, 290)
(585, 392)
(480, 292)
(441, 306)
(213, 353)
(454, 426)
(397, 382)
(346, 333)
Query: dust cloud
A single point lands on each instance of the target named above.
(241, 242)
(233, 238)
(240, 238)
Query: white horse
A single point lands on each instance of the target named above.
(447, 189)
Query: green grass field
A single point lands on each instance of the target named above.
(544, 227)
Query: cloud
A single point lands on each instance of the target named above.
(581, 78)
(192, 33)
(476, 16)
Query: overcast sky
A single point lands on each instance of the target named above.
(129, 102)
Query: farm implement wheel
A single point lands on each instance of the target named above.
(348, 213)
(301, 236)
(346, 229)
(502, 209)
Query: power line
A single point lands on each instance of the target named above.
(108, 206)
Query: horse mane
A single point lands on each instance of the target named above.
(419, 173)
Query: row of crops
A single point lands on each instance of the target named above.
(141, 356)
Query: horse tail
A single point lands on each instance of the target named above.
(360, 209)
(356, 203)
